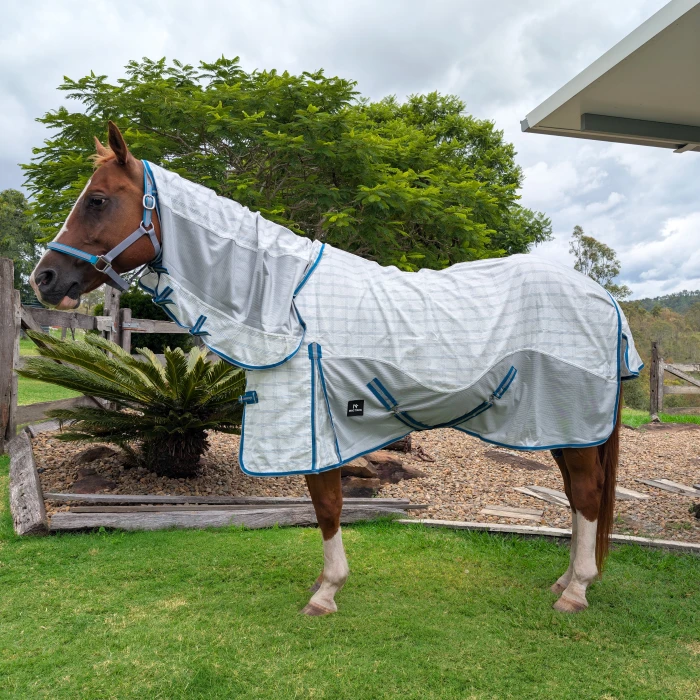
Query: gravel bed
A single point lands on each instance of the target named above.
(462, 480)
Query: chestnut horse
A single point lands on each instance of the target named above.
(105, 215)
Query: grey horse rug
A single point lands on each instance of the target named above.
(345, 356)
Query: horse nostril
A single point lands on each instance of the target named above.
(45, 278)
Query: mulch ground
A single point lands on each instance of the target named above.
(467, 475)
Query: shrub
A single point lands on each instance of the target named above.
(163, 409)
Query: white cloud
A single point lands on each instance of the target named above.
(502, 58)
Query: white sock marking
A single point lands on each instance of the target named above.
(335, 572)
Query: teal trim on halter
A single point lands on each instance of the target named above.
(69, 250)
(150, 202)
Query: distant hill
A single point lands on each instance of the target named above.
(679, 302)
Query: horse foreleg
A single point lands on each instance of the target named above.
(586, 483)
(564, 580)
(327, 499)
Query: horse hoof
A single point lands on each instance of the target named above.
(557, 588)
(568, 605)
(317, 584)
(315, 610)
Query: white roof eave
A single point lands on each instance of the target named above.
(618, 98)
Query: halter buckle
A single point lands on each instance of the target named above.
(149, 202)
(107, 264)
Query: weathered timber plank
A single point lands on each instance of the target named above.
(508, 512)
(677, 372)
(552, 492)
(625, 494)
(217, 500)
(35, 412)
(26, 500)
(143, 325)
(62, 319)
(27, 320)
(681, 390)
(690, 490)
(655, 399)
(252, 518)
(14, 397)
(686, 367)
(536, 492)
(7, 352)
(195, 507)
(533, 530)
(671, 487)
(44, 427)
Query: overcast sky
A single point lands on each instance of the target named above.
(502, 57)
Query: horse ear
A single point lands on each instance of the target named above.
(99, 148)
(117, 144)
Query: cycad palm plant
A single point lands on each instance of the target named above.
(163, 408)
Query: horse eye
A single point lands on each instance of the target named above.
(96, 202)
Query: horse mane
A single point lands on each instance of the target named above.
(99, 159)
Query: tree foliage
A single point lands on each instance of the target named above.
(165, 409)
(678, 301)
(415, 184)
(598, 261)
(18, 237)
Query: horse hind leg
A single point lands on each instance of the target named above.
(563, 581)
(327, 499)
(586, 481)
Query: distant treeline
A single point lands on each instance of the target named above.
(679, 302)
(678, 335)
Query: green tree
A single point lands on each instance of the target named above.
(415, 184)
(598, 261)
(18, 235)
(163, 409)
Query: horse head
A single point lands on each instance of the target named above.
(106, 213)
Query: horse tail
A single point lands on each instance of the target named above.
(608, 454)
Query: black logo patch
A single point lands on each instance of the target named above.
(356, 408)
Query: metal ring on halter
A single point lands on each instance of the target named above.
(107, 264)
(149, 198)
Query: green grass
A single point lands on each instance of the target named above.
(425, 614)
(33, 391)
(27, 347)
(635, 418)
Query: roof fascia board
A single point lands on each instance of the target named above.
(640, 36)
(677, 134)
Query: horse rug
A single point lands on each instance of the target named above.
(344, 356)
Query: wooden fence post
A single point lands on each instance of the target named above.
(654, 382)
(124, 321)
(9, 344)
(111, 305)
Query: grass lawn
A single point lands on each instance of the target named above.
(426, 614)
(635, 418)
(33, 391)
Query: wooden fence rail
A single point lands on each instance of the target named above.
(657, 388)
(116, 324)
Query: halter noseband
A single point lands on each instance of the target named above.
(150, 202)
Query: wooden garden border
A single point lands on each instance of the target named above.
(153, 512)
(539, 531)
(657, 388)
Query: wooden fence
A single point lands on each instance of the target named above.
(657, 388)
(116, 324)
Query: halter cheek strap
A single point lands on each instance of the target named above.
(103, 263)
